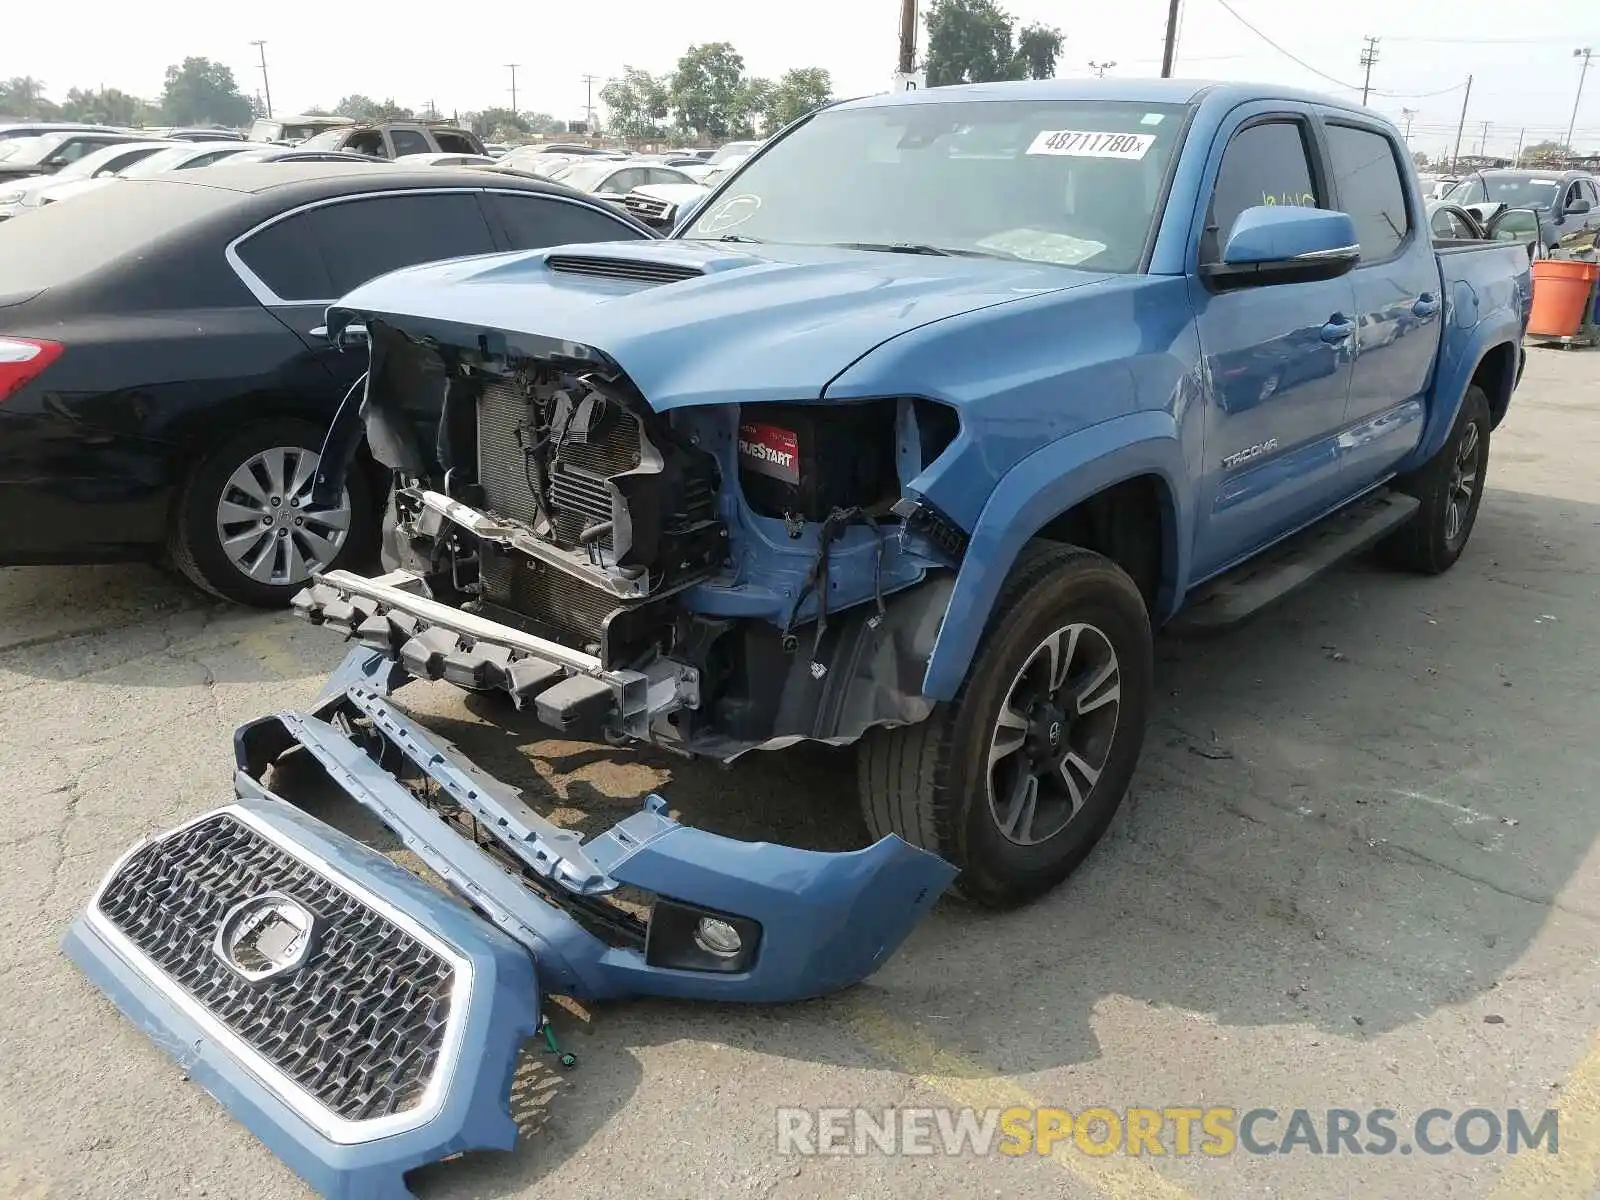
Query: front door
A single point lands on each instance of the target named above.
(1277, 357)
(1398, 306)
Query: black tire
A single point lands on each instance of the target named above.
(932, 783)
(1434, 537)
(195, 543)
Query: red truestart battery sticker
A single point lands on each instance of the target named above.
(768, 450)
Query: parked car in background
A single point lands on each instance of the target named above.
(542, 160)
(281, 154)
(293, 129)
(445, 160)
(495, 149)
(47, 153)
(164, 386)
(658, 205)
(731, 150)
(22, 129)
(1452, 222)
(200, 135)
(614, 179)
(395, 139)
(1568, 202)
(25, 194)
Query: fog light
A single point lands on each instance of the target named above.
(717, 937)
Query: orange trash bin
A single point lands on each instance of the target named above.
(1561, 290)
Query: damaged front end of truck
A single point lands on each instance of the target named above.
(712, 579)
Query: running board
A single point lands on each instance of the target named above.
(1294, 562)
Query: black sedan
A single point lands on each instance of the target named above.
(162, 389)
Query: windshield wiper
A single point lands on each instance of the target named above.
(738, 237)
(898, 248)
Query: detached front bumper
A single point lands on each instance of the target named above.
(362, 1022)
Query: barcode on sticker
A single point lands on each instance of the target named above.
(1087, 144)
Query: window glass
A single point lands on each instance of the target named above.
(624, 182)
(286, 258)
(532, 222)
(1370, 189)
(409, 141)
(323, 253)
(454, 143)
(1263, 164)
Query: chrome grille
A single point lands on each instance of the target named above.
(648, 207)
(359, 1027)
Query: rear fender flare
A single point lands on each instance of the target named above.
(1041, 487)
(1455, 374)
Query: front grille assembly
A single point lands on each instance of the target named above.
(359, 1027)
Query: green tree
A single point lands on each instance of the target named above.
(637, 105)
(707, 89)
(798, 92)
(22, 96)
(497, 124)
(975, 41)
(365, 108)
(1038, 48)
(108, 106)
(201, 92)
(755, 96)
(541, 123)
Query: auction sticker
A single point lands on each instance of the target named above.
(1079, 143)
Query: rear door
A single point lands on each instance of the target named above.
(303, 261)
(1397, 302)
(408, 141)
(1277, 356)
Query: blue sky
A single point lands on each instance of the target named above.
(1525, 73)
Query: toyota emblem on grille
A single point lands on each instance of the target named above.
(266, 936)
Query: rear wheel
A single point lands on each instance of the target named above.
(1017, 778)
(1450, 488)
(245, 528)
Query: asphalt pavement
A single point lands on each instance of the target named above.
(1357, 870)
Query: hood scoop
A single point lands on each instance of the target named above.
(630, 270)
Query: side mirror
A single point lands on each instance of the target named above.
(1580, 205)
(1286, 243)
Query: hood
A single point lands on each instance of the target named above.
(731, 323)
(65, 189)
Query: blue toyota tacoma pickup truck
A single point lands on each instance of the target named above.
(910, 437)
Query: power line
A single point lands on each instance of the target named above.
(1349, 87)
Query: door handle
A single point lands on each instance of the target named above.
(1425, 306)
(351, 335)
(1338, 328)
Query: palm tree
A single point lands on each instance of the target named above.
(23, 96)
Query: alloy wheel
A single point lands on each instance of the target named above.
(1463, 484)
(268, 527)
(1053, 735)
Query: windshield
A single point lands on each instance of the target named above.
(32, 150)
(1518, 191)
(1074, 183)
(732, 150)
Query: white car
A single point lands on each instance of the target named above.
(658, 204)
(433, 159)
(180, 156)
(23, 195)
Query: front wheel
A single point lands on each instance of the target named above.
(245, 528)
(1016, 779)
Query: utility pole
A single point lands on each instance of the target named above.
(1521, 134)
(1100, 68)
(512, 67)
(1171, 48)
(908, 37)
(588, 103)
(1456, 154)
(266, 84)
(1582, 53)
(1406, 114)
(1483, 139)
(1369, 55)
